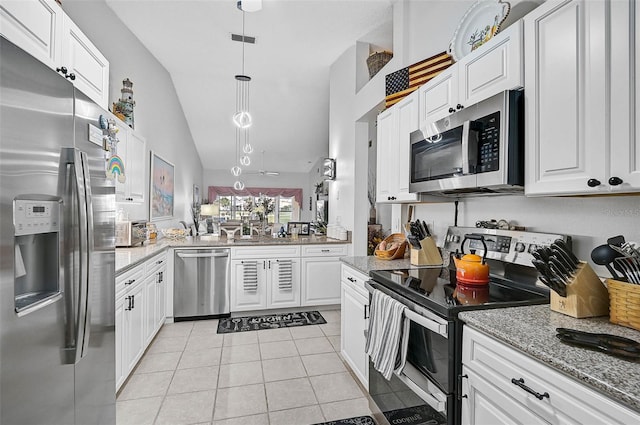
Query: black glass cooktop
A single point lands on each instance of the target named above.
(436, 290)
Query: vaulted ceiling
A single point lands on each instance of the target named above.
(296, 43)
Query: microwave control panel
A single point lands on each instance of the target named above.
(489, 143)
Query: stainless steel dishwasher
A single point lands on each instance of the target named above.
(201, 281)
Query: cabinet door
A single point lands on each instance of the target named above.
(385, 155)
(353, 325)
(320, 281)
(483, 403)
(83, 59)
(161, 297)
(35, 26)
(122, 191)
(150, 296)
(137, 163)
(438, 96)
(284, 282)
(249, 285)
(496, 67)
(120, 342)
(407, 121)
(134, 324)
(625, 95)
(565, 98)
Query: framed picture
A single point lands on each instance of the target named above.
(161, 187)
(303, 227)
(196, 194)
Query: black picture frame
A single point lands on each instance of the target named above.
(302, 226)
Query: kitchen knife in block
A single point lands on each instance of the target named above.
(429, 255)
(586, 295)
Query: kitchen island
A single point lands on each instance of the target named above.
(532, 331)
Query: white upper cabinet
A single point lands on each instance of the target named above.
(494, 67)
(625, 95)
(581, 98)
(132, 149)
(42, 29)
(393, 164)
(35, 26)
(84, 60)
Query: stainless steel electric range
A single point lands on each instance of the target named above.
(428, 390)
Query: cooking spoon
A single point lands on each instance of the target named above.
(604, 255)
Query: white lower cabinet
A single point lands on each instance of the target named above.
(321, 274)
(503, 386)
(140, 312)
(354, 322)
(259, 282)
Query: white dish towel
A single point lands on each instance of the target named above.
(387, 338)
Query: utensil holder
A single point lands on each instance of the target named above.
(624, 299)
(428, 255)
(586, 295)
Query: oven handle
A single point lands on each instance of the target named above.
(432, 325)
(436, 399)
(413, 311)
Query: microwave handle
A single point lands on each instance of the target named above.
(465, 147)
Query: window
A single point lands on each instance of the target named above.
(234, 207)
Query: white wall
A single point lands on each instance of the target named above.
(288, 180)
(588, 220)
(158, 113)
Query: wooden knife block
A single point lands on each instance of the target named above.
(429, 255)
(586, 295)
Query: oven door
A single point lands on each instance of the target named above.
(425, 386)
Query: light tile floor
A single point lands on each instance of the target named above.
(192, 375)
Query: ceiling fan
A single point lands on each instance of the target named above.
(262, 171)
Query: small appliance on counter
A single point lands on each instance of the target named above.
(130, 233)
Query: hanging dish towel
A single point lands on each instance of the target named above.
(387, 338)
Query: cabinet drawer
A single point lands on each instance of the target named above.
(566, 400)
(129, 279)
(155, 263)
(354, 277)
(325, 250)
(240, 253)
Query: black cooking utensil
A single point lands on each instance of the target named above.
(616, 240)
(604, 255)
(565, 248)
(610, 344)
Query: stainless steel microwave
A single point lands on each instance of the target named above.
(476, 150)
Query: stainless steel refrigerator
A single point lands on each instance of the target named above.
(57, 251)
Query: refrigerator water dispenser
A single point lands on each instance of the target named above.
(36, 220)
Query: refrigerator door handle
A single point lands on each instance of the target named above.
(88, 254)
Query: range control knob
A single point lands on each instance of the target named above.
(519, 247)
(456, 238)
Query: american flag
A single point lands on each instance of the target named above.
(404, 81)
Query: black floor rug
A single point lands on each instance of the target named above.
(271, 321)
(418, 415)
(360, 420)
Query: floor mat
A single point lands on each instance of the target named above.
(360, 420)
(270, 321)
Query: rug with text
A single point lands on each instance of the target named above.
(270, 321)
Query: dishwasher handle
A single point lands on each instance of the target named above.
(203, 255)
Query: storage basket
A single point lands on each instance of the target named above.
(392, 254)
(376, 61)
(624, 299)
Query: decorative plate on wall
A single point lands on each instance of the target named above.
(481, 22)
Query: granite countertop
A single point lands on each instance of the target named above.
(532, 330)
(127, 258)
(371, 262)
